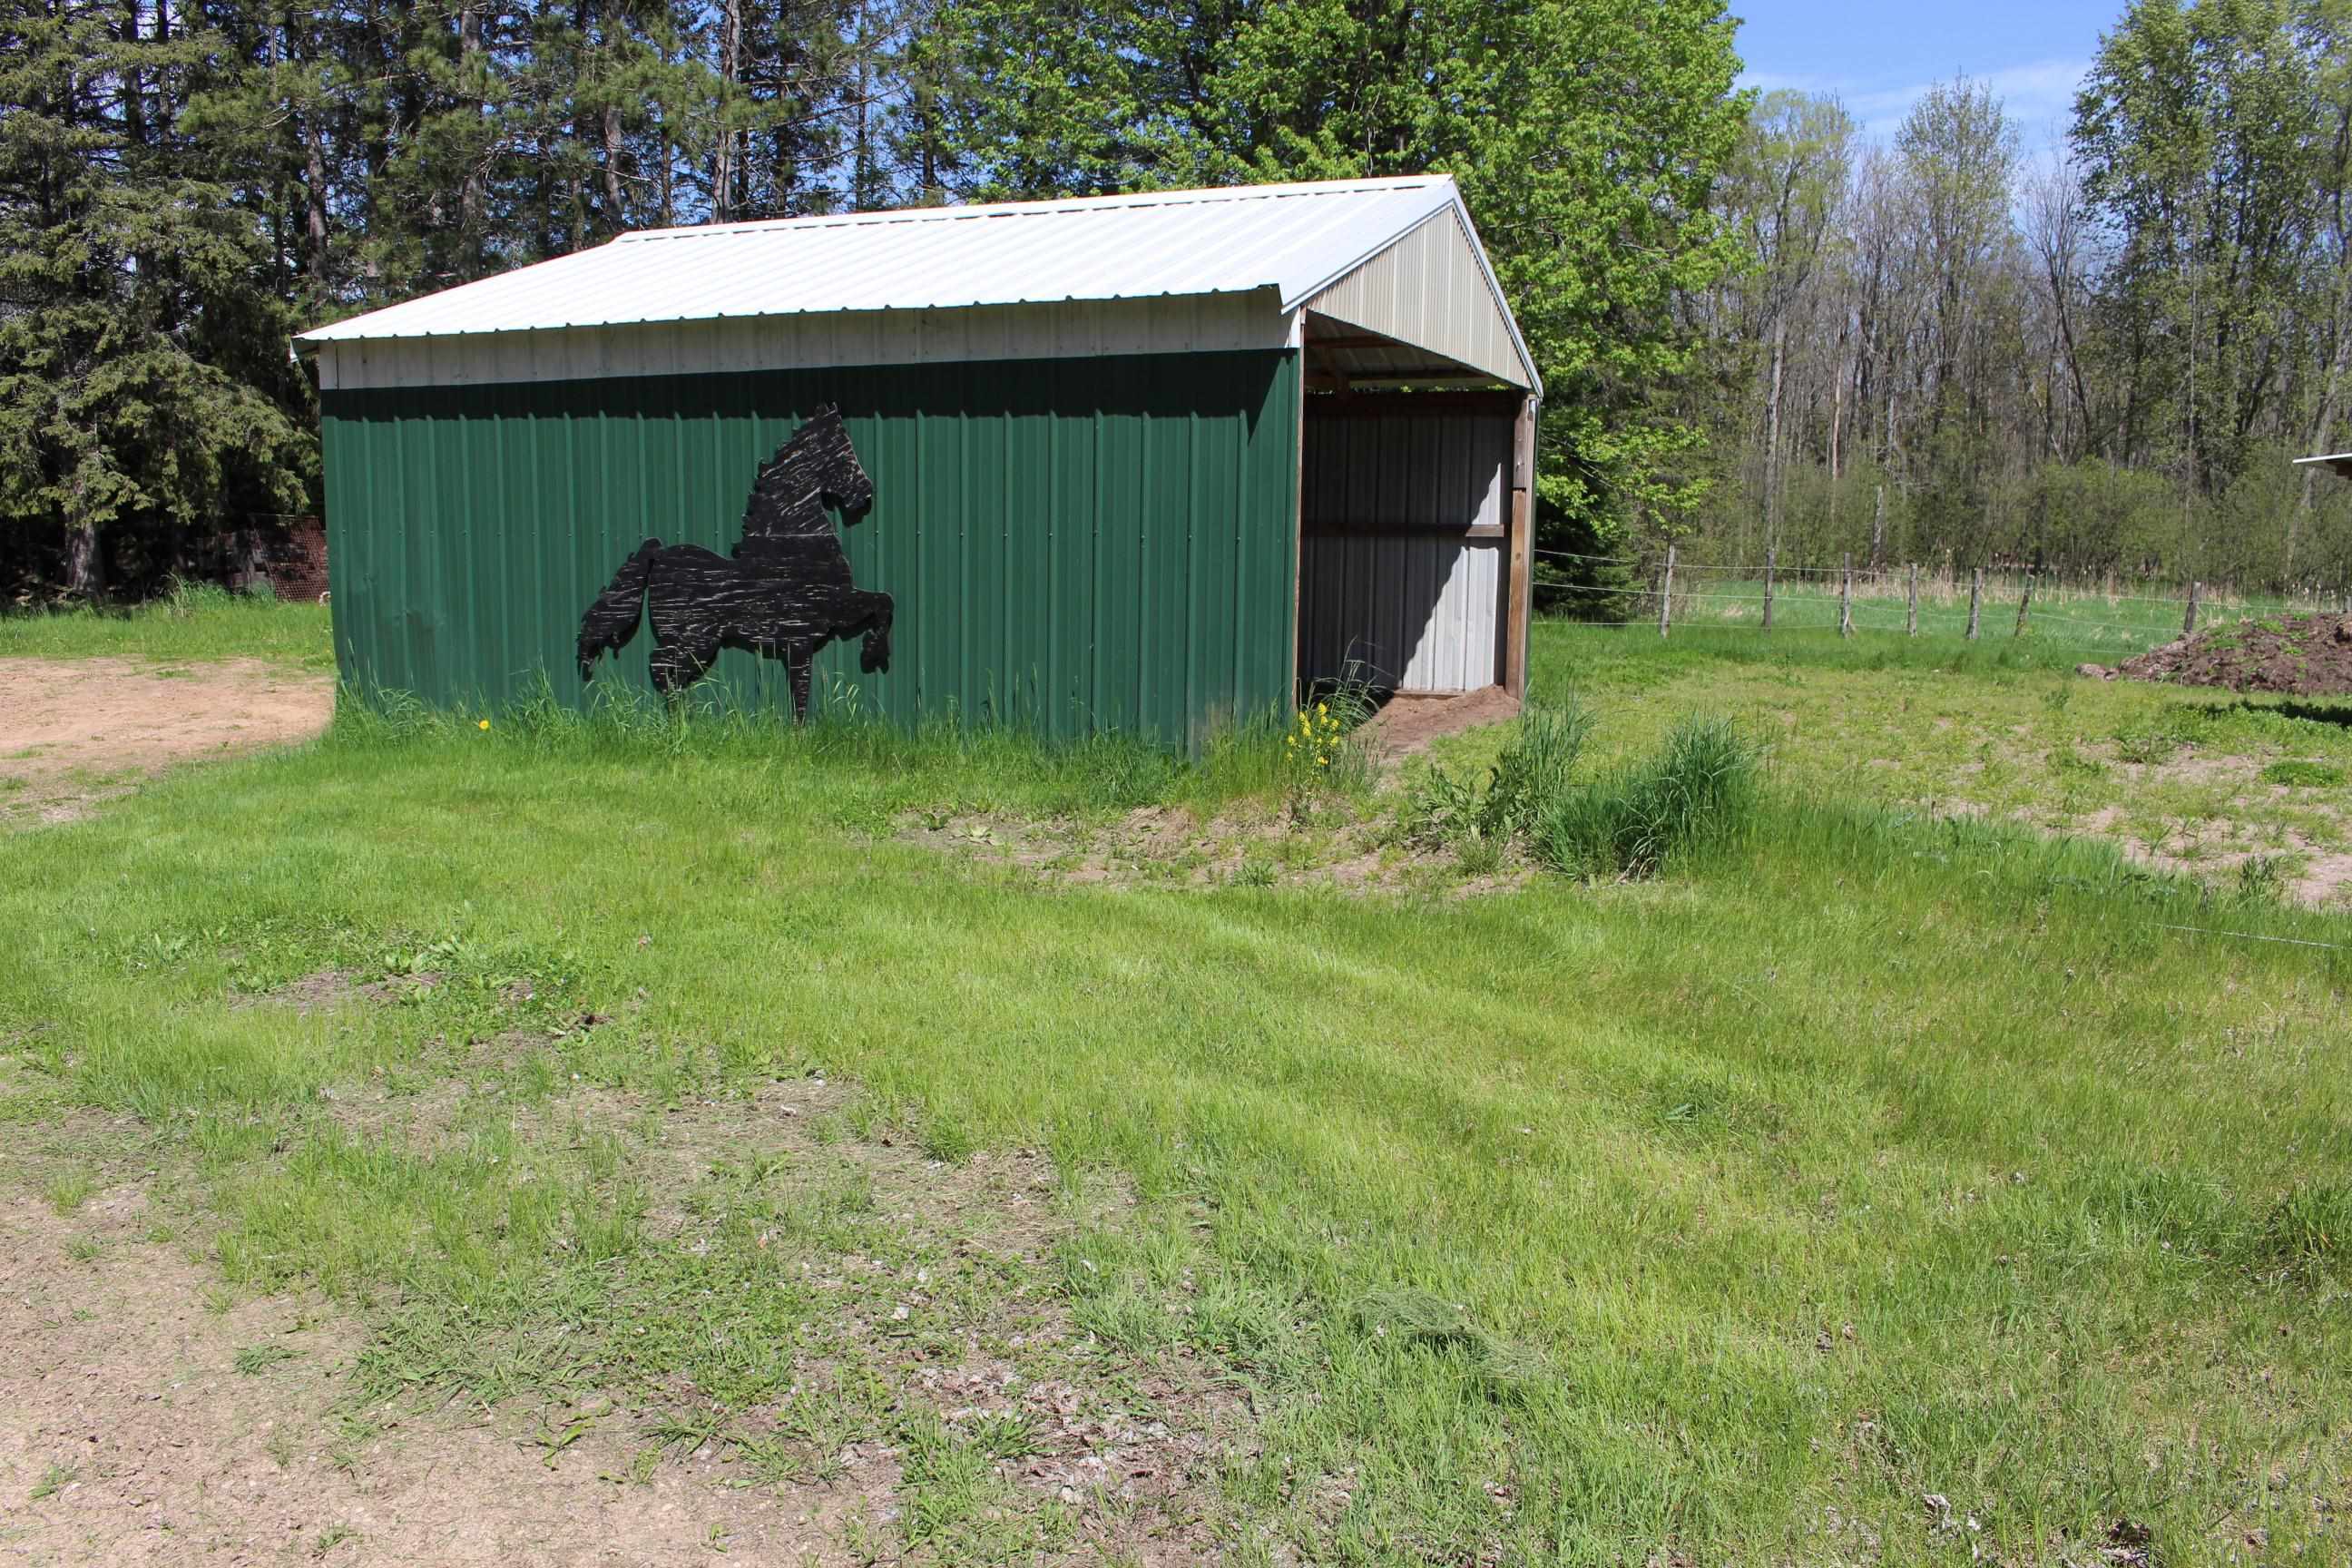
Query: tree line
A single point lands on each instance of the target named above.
(1757, 331)
(2096, 361)
(184, 183)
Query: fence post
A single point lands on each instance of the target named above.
(2189, 621)
(1771, 562)
(2024, 603)
(1846, 598)
(1911, 624)
(1976, 601)
(1666, 595)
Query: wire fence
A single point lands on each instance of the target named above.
(2100, 615)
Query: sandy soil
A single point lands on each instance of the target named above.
(121, 1406)
(1407, 724)
(129, 1435)
(73, 733)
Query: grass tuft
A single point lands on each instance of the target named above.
(1702, 789)
(2304, 774)
(1530, 775)
(2309, 1232)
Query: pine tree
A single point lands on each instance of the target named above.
(145, 394)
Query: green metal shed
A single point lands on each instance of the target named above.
(1103, 437)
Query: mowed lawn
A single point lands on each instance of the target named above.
(1880, 1188)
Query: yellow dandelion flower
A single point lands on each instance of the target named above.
(483, 725)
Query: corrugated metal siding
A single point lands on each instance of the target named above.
(1416, 612)
(1076, 330)
(1447, 468)
(1386, 594)
(1077, 544)
(1429, 290)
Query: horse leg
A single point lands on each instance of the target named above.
(798, 658)
(875, 654)
(678, 666)
(682, 654)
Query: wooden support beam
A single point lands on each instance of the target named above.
(1518, 584)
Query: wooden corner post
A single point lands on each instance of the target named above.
(1519, 589)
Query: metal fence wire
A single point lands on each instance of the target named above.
(1850, 600)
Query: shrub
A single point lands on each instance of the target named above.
(1700, 789)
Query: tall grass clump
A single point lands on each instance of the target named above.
(1534, 770)
(1317, 752)
(1701, 789)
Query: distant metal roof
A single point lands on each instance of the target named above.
(1295, 239)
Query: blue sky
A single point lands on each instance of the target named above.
(1878, 57)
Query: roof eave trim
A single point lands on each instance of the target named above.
(1293, 301)
(315, 338)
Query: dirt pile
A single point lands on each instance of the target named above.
(2309, 656)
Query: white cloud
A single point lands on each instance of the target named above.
(2038, 94)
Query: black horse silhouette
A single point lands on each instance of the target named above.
(784, 593)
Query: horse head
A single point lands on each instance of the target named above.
(843, 477)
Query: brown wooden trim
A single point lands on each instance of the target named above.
(1519, 596)
(1469, 531)
(1367, 405)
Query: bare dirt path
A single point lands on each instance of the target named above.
(149, 1417)
(75, 731)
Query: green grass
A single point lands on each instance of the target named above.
(1865, 1156)
(252, 1361)
(194, 625)
(1999, 730)
(2300, 774)
(2084, 625)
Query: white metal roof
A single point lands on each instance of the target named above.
(1294, 239)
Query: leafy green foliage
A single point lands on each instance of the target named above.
(1585, 133)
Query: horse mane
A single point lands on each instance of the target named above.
(785, 499)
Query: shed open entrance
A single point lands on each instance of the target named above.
(1404, 504)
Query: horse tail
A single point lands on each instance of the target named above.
(613, 619)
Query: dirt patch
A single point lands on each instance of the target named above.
(129, 1434)
(1408, 723)
(74, 732)
(1170, 847)
(150, 1415)
(2306, 655)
